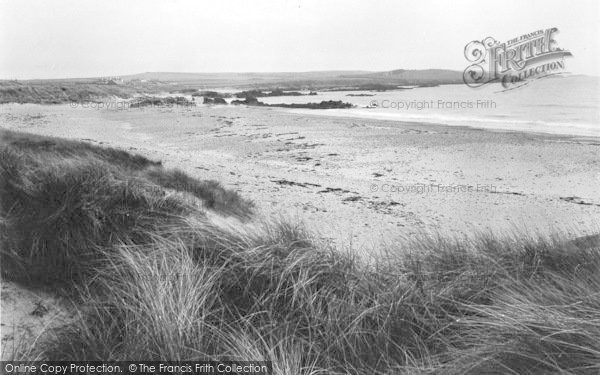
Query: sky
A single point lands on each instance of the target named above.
(75, 38)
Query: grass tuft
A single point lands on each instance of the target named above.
(165, 281)
(62, 202)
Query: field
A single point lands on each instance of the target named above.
(161, 265)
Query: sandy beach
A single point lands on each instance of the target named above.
(300, 188)
(356, 181)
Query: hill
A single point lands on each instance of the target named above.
(315, 80)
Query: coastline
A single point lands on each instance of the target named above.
(497, 125)
(323, 169)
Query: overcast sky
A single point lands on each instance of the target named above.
(75, 38)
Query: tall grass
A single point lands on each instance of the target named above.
(174, 284)
(62, 202)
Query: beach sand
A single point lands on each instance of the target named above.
(27, 314)
(361, 183)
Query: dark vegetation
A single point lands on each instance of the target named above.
(329, 104)
(212, 94)
(65, 200)
(155, 278)
(62, 91)
(168, 101)
(268, 93)
(208, 100)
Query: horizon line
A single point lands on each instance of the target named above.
(254, 72)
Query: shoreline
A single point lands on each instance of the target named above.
(595, 133)
(549, 130)
(321, 169)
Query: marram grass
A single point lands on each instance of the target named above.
(156, 277)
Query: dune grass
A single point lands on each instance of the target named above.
(62, 201)
(62, 91)
(157, 278)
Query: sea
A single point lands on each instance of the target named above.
(568, 105)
